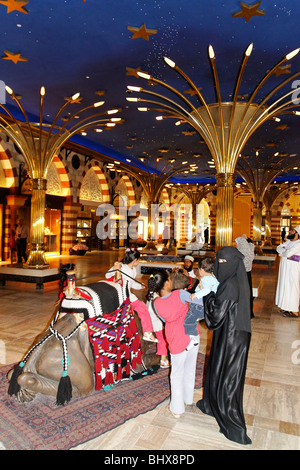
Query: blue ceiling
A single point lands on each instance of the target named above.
(86, 46)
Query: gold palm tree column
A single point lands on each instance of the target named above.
(257, 221)
(196, 193)
(36, 256)
(224, 126)
(38, 148)
(259, 177)
(152, 181)
(224, 202)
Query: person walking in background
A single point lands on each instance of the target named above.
(246, 247)
(13, 243)
(22, 237)
(288, 285)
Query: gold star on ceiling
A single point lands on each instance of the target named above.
(283, 69)
(248, 11)
(141, 32)
(76, 100)
(15, 57)
(191, 91)
(188, 132)
(133, 72)
(15, 5)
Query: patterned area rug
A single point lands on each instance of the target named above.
(41, 425)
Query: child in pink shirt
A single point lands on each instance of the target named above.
(172, 308)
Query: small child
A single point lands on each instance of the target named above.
(207, 283)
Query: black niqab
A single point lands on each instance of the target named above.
(234, 284)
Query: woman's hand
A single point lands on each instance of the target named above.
(117, 265)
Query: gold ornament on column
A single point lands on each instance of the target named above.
(38, 148)
(224, 126)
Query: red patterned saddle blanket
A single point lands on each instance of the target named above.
(113, 335)
(116, 345)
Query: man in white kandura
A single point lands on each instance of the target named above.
(288, 284)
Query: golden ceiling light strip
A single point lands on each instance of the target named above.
(236, 91)
(220, 168)
(198, 94)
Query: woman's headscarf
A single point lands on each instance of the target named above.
(234, 284)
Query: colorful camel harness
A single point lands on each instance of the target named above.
(113, 336)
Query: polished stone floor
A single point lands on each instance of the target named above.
(272, 387)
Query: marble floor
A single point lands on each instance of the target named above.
(272, 387)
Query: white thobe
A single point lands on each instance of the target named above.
(288, 284)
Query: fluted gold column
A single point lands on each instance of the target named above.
(36, 258)
(268, 224)
(257, 221)
(225, 186)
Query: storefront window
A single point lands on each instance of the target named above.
(52, 230)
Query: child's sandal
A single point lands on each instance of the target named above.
(150, 337)
(165, 364)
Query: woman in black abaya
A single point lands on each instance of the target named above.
(228, 313)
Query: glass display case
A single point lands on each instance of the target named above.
(84, 228)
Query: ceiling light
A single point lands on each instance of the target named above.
(211, 52)
(99, 103)
(159, 118)
(146, 76)
(134, 88)
(292, 54)
(112, 111)
(74, 97)
(249, 50)
(110, 124)
(142, 109)
(170, 62)
(42, 91)
(9, 90)
(132, 99)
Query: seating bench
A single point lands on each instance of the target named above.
(147, 267)
(31, 275)
(265, 259)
